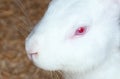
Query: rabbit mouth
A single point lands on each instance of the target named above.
(31, 55)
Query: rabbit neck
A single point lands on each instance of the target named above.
(109, 70)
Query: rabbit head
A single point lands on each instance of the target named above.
(75, 34)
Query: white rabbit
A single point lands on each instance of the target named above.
(80, 38)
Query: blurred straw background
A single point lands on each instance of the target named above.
(17, 18)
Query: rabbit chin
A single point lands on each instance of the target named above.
(70, 60)
(74, 65)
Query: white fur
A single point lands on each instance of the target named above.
(95, 55)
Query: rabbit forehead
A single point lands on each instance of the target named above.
(62, 16)
(70, 11)
(60, 8)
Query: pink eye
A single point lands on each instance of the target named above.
(81, 30)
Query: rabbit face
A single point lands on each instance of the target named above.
(74, 35)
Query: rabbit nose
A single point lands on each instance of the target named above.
(30, 55)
